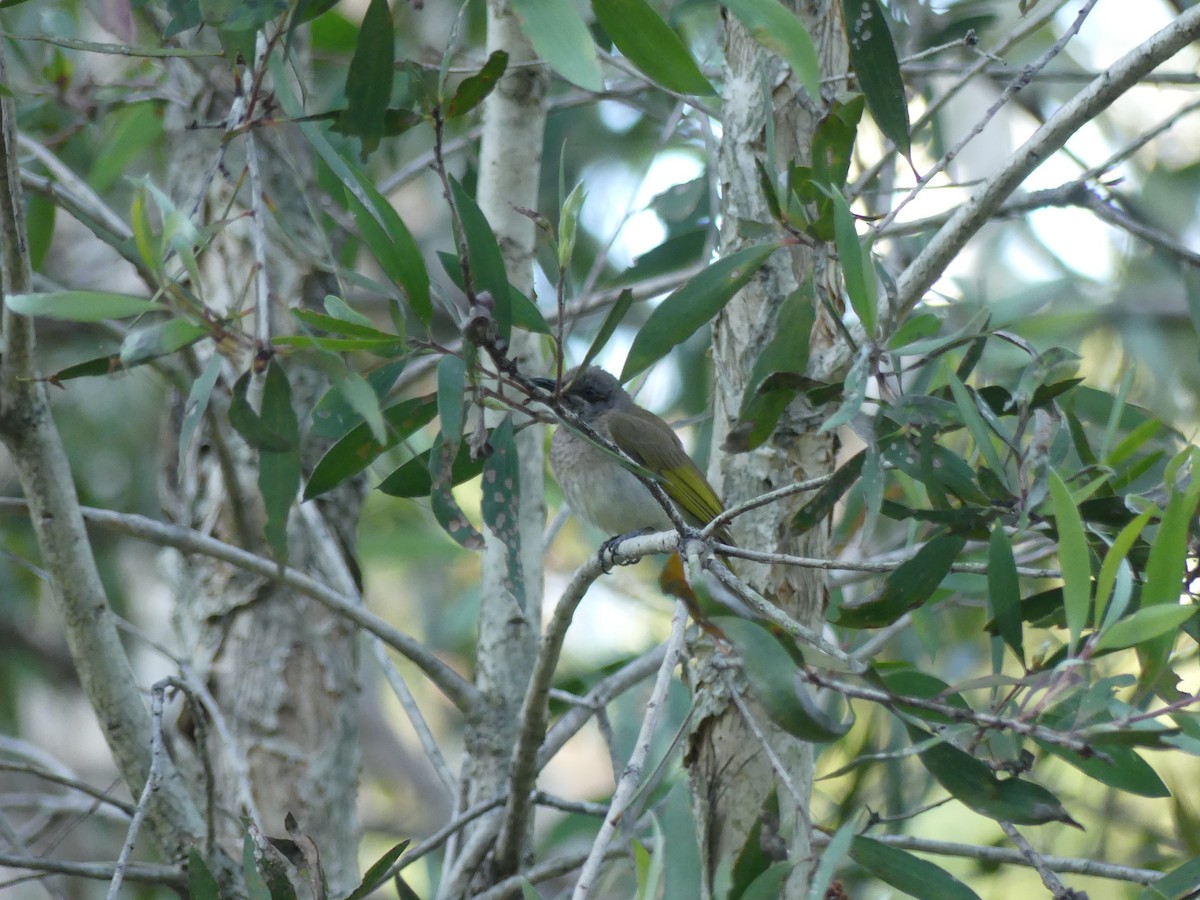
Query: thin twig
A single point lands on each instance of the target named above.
(1010, 91)
(157, 753)
(632, 775)
(1088, 103)
(1052, 882)
(461, 692)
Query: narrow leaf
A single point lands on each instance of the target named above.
(972, 782)
(369, 78)
(873, 56)
(908, 873)
(201, 883)
(1072, 558)
(974, 422)
(1004, 590)
(908, 587)
(1147, 623)
(377, 874)
(688, 308)
(197, 403)
(81, 306)
(560, 37)
(608, 326)
(501, 504)
(858, 270)
(413, 478)
(487, 263)
(278, 471)
(819, 508)
(160, 339)
(651, 45)
(392, 244)
(474, 89)
(772, 675)
(363, 400)
(452, 376)
(359, 448)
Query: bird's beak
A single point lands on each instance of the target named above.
(546, 384)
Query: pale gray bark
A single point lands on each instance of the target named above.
(31, 437)
(731, 774)
(510, 169)
(282, 668)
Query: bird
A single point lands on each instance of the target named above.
(603, 492)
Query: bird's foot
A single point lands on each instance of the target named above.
(609, 556)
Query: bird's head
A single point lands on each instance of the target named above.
(590, 393)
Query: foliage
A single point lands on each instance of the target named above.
(1011, 627)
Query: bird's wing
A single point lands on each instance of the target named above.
(664, 454)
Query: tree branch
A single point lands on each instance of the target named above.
(461, 692)
(1097, 96)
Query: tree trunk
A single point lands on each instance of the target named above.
(514, 118)
(282, 670)
(731, 777)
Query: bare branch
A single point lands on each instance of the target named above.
(1097, 96)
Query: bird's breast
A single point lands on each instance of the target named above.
(599, 490)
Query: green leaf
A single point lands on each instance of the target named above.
(788, 346)
(854, 391)
(651, 45)
(568, 224)
(361, 398)
(452, 378)
(821, 505)
(833, 142)
(858, 269)
(1126, 772)
(445, 508)
(908, 587)
(608, 326)
(201, 884)
(392, 245)
(1179, 883)
(127, 133)
(689, 307)
(1147, 623)
(771, 672)
(501, 490)
(1167, 565)
(768, 885)
(160, 339)
(1004, 590)
(256, 888)
(413, 478)
(343, 326)
(972, 782)
(81, 306)
(1116, 554)
(786, 352)
(1073, 558)
(278, 471)
(253, 427)
(560, 37)
(525, 313)
(908, 873)
(197, 402)
(377, 873)
(873, 56)
(487, 263)
(971, 417)
(359, 447)
(369, 78)
(835, 851)
(332, 417)
(474, 89)
(780, 31)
